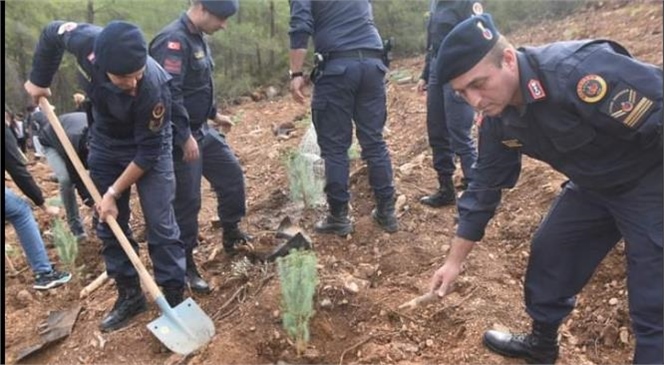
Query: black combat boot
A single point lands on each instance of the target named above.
(130, 303)
(173, 295)
(538, 347)
(445, 195)
(193, 278)
(233, 237)
(384, 215)
(337, 220)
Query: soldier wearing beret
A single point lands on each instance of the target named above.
(130, 143)
(183, 51)
(593, 113)
(449, 118)
(348, 86)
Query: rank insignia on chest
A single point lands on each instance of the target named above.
(199, 54)
(512, 143)
(591, 88)
(627, 106)
(157, 119)
(536, 89)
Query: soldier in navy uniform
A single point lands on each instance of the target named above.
(593, 113)
(130, 143)
(183, 51)
(449, 118)
(348, 85)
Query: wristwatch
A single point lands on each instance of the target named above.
(295, 74)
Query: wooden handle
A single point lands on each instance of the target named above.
(146, 278)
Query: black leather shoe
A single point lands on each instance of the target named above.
(193, 279)
(439, 199)
(535, 348)
(233, 237)
(174, 296)
(336, 222)
(130, 303)
(385, 216)
(445, 195)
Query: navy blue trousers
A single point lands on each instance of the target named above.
(578, 232)
(449, 121)
(156, 189)
(352, 90)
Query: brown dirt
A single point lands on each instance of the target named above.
(363, 327)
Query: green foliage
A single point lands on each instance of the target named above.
(299, 278)
(55, 201)
(251, 52)
(510, 15)
(354, 151)
(304, 185)
(66, 245)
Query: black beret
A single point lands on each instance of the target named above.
(221, 8)
(120, 48)
(465, 46)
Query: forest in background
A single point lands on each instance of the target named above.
(252, 52)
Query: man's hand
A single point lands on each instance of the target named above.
(421, 86)
(190, 149)
(36, 92)
(441, 282)
(225, 122)
(296, 86)
(107, 207)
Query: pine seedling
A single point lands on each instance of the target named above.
(66, 245)
(303, 181)
(299, 278)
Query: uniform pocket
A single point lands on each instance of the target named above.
(569, 136)
(333, 70)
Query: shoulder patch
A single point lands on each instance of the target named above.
(66, 27)
(176, 46)
(157, 119)
(627, 106)
(591, 88)
(536, 89)
(477, 8)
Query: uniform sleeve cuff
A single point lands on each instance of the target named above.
(299, 40)
(469, 232)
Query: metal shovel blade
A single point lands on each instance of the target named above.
(287, 229)
(182, 329)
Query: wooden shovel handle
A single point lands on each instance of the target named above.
(146, 278)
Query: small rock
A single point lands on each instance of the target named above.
(613, 301)
(24, 297)
(352, 287)
(383, 313)
(344, 301)
(429, 343)
(252, 328)
(400, 203)
(311, 355)
(276, 314)
(326, 303)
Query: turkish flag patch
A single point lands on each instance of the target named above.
(174, 46)
(173, 65)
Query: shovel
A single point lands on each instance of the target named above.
(182, 329)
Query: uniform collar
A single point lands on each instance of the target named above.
(532, 89)
(189, 24)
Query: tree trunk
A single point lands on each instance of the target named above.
(90, 15)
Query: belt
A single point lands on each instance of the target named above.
(356, 53)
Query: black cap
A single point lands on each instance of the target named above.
(120, 48)
(465, 46)
(221, 8)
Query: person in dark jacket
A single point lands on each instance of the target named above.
(594, 113)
